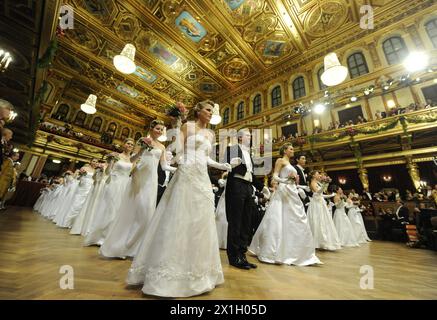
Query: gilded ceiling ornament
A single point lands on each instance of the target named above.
(171, 8)
(326, 17)
(243, 10)
(273, 49)
(236, 70)
(259, 28)
(126, 27)
(222, 55)
(83, 37)
(161, 84)
(190, 27)
(105, 11)
(209, 43)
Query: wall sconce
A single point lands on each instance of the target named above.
(342, 180)
(5, 60)
(386, 178)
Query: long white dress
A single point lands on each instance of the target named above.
(85, 185)
(357, 222)
(109, 205)
(63, 207)
(136, 209)
(284, 235)
(91, 201)
(179, 255)
(321, 223)
(221, 221)
(49, 206)
(41, 199)
(344, 227)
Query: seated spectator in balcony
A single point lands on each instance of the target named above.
(408, 195)
(391, 196)
(331, 126)
(412, 107)
(378, 115)
(429, 104)
(5, 110)
(317, 130)
(361, 119)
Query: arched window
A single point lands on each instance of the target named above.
(299, 88)
(322, 86)
(62, 112)
(125, 133)
(257, 104)
(80, 119)
(240, 111)
(276, 96)
(226, 116)
(357, 65)
(395, 50)
(111, 129)
(97, 124)
(138, 135)
(431, 29)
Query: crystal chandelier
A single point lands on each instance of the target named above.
(90, 105)
(124, 62)
(216, 118)
(5, 60)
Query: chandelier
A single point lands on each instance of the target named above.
(5, 60)
(124, 62)
(215, 118)
(90, 105)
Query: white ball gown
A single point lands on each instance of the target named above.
(179, 255)
(85, 185)
(64, 206)
(284, 235)
(344, 227)
(109, 205)
(136, 209)
(321, 223)
(48, 210)
(60, 199)
(357, 222)
(221, 220)
(80, 223)
(41, 199)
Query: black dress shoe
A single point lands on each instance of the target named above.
(240, 264)
(251, 265)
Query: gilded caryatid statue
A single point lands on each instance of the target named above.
(362, 172)
(413, 170)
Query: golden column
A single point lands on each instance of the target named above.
(413, 170)
(362, 173)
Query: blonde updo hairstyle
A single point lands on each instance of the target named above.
(194, 112)
(284, 147)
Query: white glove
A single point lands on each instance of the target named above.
(256, 200)
(215, 189)
(235, 162)
(327, 196)
(281, 180)
(266, 192)
(166, 167)
(221, 183)
(301, 193)
(220, 166)
(305, 188)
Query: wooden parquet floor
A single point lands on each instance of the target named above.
(32, 251)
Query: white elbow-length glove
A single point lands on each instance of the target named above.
(220, 166)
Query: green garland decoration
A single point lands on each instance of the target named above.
(389, 126)
(418, 119)
(47, 59)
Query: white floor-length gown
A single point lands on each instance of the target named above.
(136, 209)
(357, 222)
(179, 255)
(49, 206)
(63, 208)
(79, 199)
(89, 206)
(284, 235)
(344, 227)
(109, 205)
(321, 223)
(44, 193)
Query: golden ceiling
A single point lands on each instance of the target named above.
(190, 50)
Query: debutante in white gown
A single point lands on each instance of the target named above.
(60, 199)
(109, 205)
(344, 227)
(49, 206)
(41, 199)
(321, 223)
(179, 255)
(221, 221)
(357, 222)
(89, 206)
(284, 235)
(63, 207)
(85, 185)
(136, 209)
